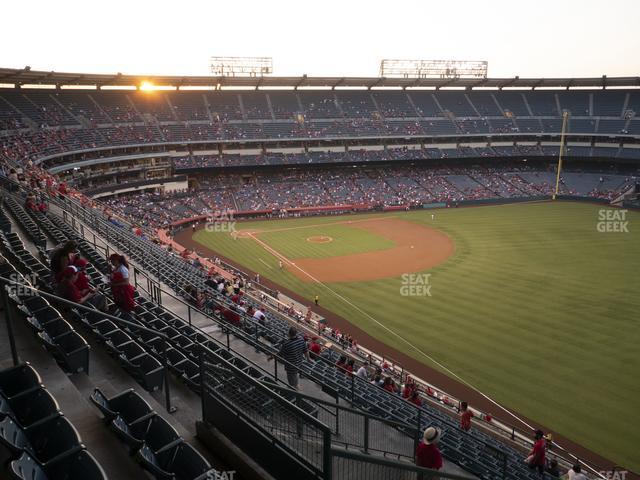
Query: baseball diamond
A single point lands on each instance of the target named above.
(480, 320)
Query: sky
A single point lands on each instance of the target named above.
(539, 38)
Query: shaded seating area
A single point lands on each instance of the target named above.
(40, 442)
(153, 442)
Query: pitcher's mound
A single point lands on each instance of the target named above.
(319, 239)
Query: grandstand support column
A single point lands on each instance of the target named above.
(565, 117)
(8, 317)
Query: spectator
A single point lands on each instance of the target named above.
(465, 416)
(409, 387)
(415, 398)
(389, 385)
(260, 316)
(83, 282)
(193, 296)
(378, 380)
(293, 351)
(61, 257)
(552, 469)
(349, 367)
(68, 289)
(315, 348)
(121, 290)
(536, 458)
(575, 473)
(363, 371)
(341, 363)
(428, 454)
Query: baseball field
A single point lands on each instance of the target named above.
(535, 305)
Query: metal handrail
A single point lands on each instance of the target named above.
(377, 460)
(79, 306)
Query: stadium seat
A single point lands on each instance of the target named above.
(70, 350)
(181, 461)
(146, 370)
(155, 431)
(129, 405)
(46, 441)
(20, 379)
(78, 466)
(30, 407)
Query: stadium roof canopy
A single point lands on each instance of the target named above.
(26, 76)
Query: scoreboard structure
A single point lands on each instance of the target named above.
(240, 66)
(391, 68)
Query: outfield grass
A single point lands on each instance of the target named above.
(536, 308)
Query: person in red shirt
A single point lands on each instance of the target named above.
(465, 416)
(82, 282)
(428, 454)
(349, 367)
(415, 398)
(408, 389)
(68, 289)
(314, 348)
(536, 458)
(122, 291)
(389, 386)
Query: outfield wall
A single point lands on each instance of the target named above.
(361, 208)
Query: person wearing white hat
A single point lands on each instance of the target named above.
(428, 454)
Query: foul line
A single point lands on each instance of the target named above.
(268, 266)
(421, 352)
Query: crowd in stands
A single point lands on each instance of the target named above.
(403, 153)
(402, 186)
(36, 124)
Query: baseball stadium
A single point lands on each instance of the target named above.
(426, 273)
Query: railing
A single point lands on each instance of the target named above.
(63, 301)
(358, 466)
(293, 430)
(355, 429)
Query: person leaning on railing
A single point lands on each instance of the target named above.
(293, 350)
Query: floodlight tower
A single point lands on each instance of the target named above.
(240, 66)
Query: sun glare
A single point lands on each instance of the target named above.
(146, 86)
